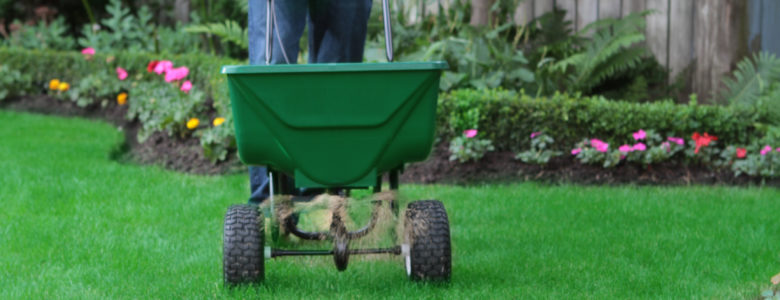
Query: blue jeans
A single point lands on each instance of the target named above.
(337, 33)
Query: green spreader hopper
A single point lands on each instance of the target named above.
(334, 125)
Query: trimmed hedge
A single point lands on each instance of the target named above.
(508, 118)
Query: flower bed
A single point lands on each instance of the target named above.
(608, 133)
(187, 96)
(165, 97)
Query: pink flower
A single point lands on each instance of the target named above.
(600, 145)
(766, 150)
(666, 146)
(186, 86)
(534, 134)
(576, 151)
(88, 52)
(741, 152)
(470, 133)
(676, 140)
(163, 66)
(778, 149)
(640, 135)
(121, 73)
(639, 147)
(176, 74)
(625, 149)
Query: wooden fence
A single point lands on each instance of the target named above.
(699, 41)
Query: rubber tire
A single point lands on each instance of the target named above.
(243, 260)
(427, 229)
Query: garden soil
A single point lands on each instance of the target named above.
(185, 154)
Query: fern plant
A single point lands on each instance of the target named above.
(752, 79)
(229, 31)
(610, 50)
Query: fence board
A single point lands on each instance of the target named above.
(524, 12)
(755, 14)
(631, 6)
(680, 36)
(587, 12)
(770, 30)
(609, 8)
(720, 40)
(571, 11)
(542, 7)
(657, 30)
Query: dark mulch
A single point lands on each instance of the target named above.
(185, 154)
(182, 154)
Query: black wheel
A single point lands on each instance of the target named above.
(243, 243)
(428, 252)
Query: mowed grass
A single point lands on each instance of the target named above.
(76, 224)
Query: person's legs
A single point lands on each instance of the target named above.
(337, 30)
(290, 21)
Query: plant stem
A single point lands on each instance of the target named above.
(89, 11)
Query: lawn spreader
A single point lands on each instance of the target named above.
(334, 127)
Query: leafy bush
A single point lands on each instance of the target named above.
(101, 86)
(539, 152)
(121, 31)
(466, 148)
(13, 82)
(159, 107)
(508, 118)
(758, 163)
(53, 35)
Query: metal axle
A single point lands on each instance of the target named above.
(283, 252)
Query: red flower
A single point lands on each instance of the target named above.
(151, 65)
(702, 140)
(741, 152)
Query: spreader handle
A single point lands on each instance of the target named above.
(268, 26)
(388, 30)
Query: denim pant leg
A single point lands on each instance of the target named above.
(290, 21)
(337, 30)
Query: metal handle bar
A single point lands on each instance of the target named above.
(388, 30)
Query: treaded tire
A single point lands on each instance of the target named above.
(243, 243)
(427, 232)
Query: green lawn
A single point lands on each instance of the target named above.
(76, 224)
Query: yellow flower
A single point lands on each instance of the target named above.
(54, 84)
(219, 121)
(193, 123)
(64, 86)
(121, 98)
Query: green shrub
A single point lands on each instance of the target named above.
(53, 35)
(464, 148)
(508, 118)
(161, 107)
(539, 152)
(13, 82)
